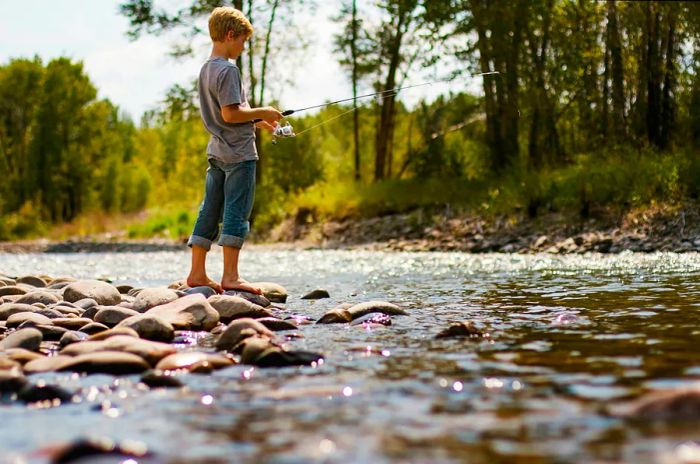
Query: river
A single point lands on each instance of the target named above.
(572, 337)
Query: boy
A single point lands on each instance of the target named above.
(230, 181)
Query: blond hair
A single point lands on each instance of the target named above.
(226, 18)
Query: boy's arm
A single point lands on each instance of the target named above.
(236, 114)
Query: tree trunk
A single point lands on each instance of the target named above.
(617, 74)
(653, 84)
(667, 103)
(355, 114)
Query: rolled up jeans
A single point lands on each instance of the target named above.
(228, 199)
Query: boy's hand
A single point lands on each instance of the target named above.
(265, 125)
(269, 114)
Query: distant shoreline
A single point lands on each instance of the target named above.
(661, 229)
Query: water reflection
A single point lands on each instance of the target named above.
(570, 336)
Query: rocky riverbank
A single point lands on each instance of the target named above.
(660, 228)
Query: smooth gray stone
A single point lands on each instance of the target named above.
(90, 312)
(71, 323)
(191, 312)
(51, 333)
(72, 336)
(34, 281)
(17, 319)
(317, 294)
(240, 329)
(8, 309)
(124, 289)
(206, 291)
(234, 307)
(113, 315)
(85, 303)
(150, 351)
(272, 291)
(150, 327)
(151, 297)
(93, 328)
(276, 324)
(29, 339)
(12, 290)
(102, 292)
(51, 313)
(38, 296)
(259, 300)
(106, 362)
(373, 318)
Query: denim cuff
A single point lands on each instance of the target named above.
(200, 242)
(230, 241)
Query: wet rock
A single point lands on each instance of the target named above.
(38, 296)
(565, 319)
(235, 307)
(51, 333)
(43, 392)
(124, 289)
(160, 379)
(102, 292)
(29, 339)
(368, 307)
(192, 312)
(135, 291)
(113, 315)
(22, 355)
(12, 290)
(272, 291)
(19, 318)
(12, 381)
(259, 300)
(151, 352)
(90, 312)
(277, 325)
(104, 335)
(51, 313)
(85, 303)
(8, 309)
(240, 329)
(462, 329)
(206, 291)
(317, 294)
(103, 452)
(8, 364)
(299, 319)
(337, 315)
(72, 336)
(45, 364)
(260, 351)
(372, 319)
(149, 327)
(151, 297)
(188, 360)
(93, 328)
(106, 362)
(66, 310)
(71, 323)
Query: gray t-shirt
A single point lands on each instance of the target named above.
(220, 85)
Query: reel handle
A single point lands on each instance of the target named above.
(284, 113)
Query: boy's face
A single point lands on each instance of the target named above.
(237, 44)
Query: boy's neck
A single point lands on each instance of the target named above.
(219, 50)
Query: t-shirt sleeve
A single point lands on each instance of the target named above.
(228, 87)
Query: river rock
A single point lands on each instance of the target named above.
(372, 319)
(673, 405)
(113, 315)
(462, 329)
(71, 323)
(188, 360)
(38, 296)
(235, 307)
(191, 312)
(34, 281)
(277, 325)
(12, 290)
(383, 307)
(272, 291)
(151, 352)
(12, 381)
(337, 315)
(106, 362)
(203, 290)
(240, 329)
(260, 351)
(51, 313)
(50, 333)
(22, 355)
(72, 336)
(160, 379)
(85, 303)
(8, 364)
(317, 294)
(259, 300)
(124, 289)
(19, 318)
(44, 392)
(151, 297)
(29, 339)
(45, 364)
(93, 328)
(102, 292)
(149, 327)
(66, 310)
(104, 335)
(8, 309)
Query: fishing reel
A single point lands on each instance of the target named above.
(282, 132)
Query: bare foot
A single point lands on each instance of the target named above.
(240, 285)
(196, 281)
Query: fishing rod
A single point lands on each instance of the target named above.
(287, 131)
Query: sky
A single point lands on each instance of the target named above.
(136, 74)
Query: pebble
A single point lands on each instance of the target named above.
(160, 379)
(19, 318)
(8, 309)
(113, 315)
(259, 300)
(188, 360)
(102, 292)
(316, 294)
(149, 327)
(462, 329)
(29, 339)
(272, 291)
(240, 329)
(277, 325)
(208, 292)
(150, 351)
(12, 290)
(151, 297)
(106, 362)
(42, 392)
(38, 296)
(71, 323)
(191, 312)
(104, 335)
(234, 307)
(92, 328)
(12, 381)
(72, 336)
